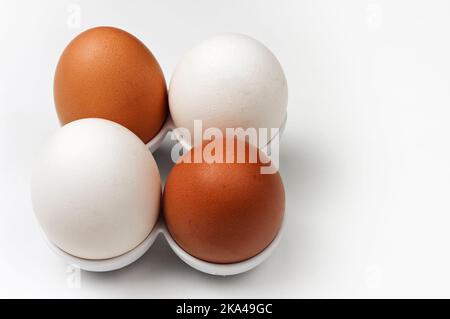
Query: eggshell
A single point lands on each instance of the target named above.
(229, 80)
(222, 212)
(108, 73)
(95, 189)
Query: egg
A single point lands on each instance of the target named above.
(108, 73)
(95, 189)
(222, 212)
(228, 81)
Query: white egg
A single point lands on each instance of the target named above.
(96, 189)
(228, 81)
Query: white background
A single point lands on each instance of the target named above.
(365, 157)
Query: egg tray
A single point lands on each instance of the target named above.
(121, 261)
(160, 228)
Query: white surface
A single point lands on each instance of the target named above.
(228, 80)
(95, 189)
(365, 156)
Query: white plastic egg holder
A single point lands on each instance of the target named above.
(115, 263)
(160, 228)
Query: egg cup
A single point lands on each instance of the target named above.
(110, 264)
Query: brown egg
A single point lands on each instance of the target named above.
(108, 73)
(223, 212)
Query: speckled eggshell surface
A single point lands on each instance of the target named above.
(223, 212)
(108, 73)
(95, 189)
(229, 80)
